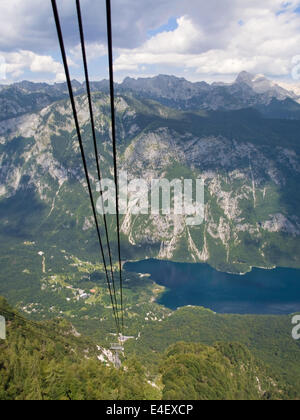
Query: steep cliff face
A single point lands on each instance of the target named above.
(244, 187)
(250, 166)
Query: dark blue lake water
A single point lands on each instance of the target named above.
(259, 292)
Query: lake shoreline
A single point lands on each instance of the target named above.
(263, 291)
(205, 263)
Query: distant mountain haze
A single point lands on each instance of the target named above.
(247, 91)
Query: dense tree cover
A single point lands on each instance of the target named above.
(49, 361)
(36, 364)
(268, 338)
(223, 372)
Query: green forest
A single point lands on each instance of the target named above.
(50, 361)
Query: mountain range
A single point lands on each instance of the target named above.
(248, 90)
(248, 156)
(242, 139)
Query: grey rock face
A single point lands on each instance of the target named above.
(248, 183)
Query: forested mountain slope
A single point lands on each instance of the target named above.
(51, 361)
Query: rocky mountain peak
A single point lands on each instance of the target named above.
(245, 77)
(261, 85)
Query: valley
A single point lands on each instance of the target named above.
(248, 156)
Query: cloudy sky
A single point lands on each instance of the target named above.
(197, 39)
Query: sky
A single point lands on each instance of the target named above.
(211, 40)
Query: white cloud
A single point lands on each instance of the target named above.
(18, 62)
(179, 40)
(164, 48)
(209, 39)
(264, 43)
(93, 50)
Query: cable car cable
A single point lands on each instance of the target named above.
(113, 123)
(86, 72)
(72, 99)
